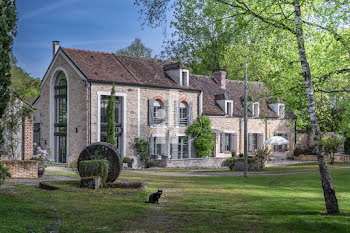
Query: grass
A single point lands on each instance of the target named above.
(288, 203)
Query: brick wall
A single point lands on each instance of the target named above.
(22, 168)
(28, 123)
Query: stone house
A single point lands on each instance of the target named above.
(155, 100)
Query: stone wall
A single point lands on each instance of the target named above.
(256, 165)
(22, 168)
(339, 158)
(208, 162)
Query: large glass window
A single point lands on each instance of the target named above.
(118, 110)
(158, 112)
(183, 113)
(60, 118)
(183, 148)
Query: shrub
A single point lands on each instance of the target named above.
(128, 160)
(41, 155)
(331, 145)
(241, 155)
(262, 153)
(150, 163)
(89, 168)
(142, 149)
(347, 146)
(230, 163)
(4, 172)
(233, 154)
(298, 151)
(203, 136)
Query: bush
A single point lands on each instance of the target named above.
(128, 160)
(233, 154)
(262, 153)
(203, 136)
(298, 151)
(241, 155)
(331, 145)
(89, 168)
(142, 149)
(4, 172)
(347, 146)
(150, 163)
(230, 163)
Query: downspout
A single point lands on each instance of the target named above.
(90, 113)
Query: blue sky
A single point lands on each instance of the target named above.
(104, 25)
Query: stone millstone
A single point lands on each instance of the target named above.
(108, 152)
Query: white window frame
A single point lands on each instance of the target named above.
(184, 81)
(278, 110)
(226, 111)
(253, 110)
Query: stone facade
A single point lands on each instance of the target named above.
(22, 168)
(266, 127)
(28, 123)
(208, 162)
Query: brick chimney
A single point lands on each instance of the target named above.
(220, 77)
(55, 46)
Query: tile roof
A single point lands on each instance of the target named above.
(142, 71)
(234, 91)
(109, 67)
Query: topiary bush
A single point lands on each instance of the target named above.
(89, 168)
(4, 173)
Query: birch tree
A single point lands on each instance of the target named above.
(302, 21)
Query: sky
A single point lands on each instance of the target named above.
(103, 25)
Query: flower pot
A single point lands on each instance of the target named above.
(41, 171)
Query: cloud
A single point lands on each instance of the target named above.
(48, 8)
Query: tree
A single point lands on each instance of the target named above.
(331, 145)
(300, 22)
(8, 31)
(26, 87)
(111, 119)
(136, 49)
(203, 136)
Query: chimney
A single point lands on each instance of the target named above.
(220, 77)
(55, 46)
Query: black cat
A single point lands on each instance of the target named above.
(154, 197)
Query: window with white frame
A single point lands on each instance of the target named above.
(228, 108)
(281, 110)
(158, 112)
(255, 141)
(256, 109)
(183, 148)
(184, 80)
(228, 142)
(183, 113)
(158, 146)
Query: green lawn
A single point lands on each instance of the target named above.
(286, 203)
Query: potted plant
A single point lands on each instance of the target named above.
(129, 161)
(41, 156)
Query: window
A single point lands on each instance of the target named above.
(183, 147)
(118, 119)
(256, 108)
(281, 110)
(183, 110)
(158, 146)
(228, 108)
(60, 118)
(228, 142)
(281, 147)
(255, 141)
(158, 112)
(184, 80)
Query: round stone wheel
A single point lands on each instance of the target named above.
(108, 152)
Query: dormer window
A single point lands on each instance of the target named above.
(281, 110)
(184, 80)
(255, 109)
(228, 107)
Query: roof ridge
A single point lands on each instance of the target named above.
(85, 50)
(235, 80)
(142, 57)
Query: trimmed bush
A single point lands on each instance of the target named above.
(4, 172)
(230, 163)
(88, 168)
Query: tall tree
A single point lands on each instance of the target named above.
(111, 119)
(8, 31)
(136, 49)
(300, 22)
(24, 85)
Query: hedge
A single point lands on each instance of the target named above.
(89, 168)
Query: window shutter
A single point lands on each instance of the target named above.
(166, 147)
(260, 140)
(222, 142)
(234, 142)
(190, 114)
(174, 147)
(176, 113)
(275, 148)
(250, 141)
(166, 104)
(231, 142)
(151, 145)
(150, 112)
